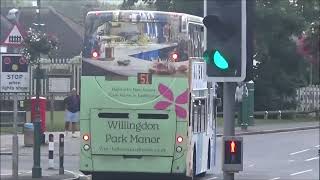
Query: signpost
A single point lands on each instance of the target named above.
(15, 77)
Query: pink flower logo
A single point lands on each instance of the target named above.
(168, 94)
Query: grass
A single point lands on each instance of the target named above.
(56, 125)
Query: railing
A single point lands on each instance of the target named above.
(308, 98)
(280, 114)
(6, 118)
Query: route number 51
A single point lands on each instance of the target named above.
(144, 78)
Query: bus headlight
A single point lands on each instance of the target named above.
(86, 147)
(179, 149)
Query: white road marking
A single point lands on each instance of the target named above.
(301, 172)
(299, 152)
(317, 146)
(291, 160)
(314, 158)
(9, 174)
(275, 178)
(251, 165)
(212, 178)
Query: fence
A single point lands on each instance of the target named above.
(308, 98)
(61, 75)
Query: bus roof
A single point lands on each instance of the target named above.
(189, 16)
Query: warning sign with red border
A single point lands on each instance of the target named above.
(14, 38)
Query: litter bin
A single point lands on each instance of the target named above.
(28, 131)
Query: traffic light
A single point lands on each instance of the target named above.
(233, 153)
(226, 40)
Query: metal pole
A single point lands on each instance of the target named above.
(61, 153)
(311, 73)
(229, 89)
(15, 155)
(51, 109)
(205, 11)
(36, 169)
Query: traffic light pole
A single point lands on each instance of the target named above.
(229, 89)
(36, 169)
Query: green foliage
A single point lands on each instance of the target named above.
(280, 70)
(36, 43)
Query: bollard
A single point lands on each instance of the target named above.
(51, 150)
(279, 117)
(61, 153)
(266, 115)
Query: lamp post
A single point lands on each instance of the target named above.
(36, 169)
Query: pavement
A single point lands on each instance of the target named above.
(44, 177)
(74, 150)
(274, 127)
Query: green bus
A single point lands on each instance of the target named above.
(146, 106)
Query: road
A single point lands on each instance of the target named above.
(288, 155)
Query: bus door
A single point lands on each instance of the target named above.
(212, 124)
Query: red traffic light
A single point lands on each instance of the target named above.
(232, 147)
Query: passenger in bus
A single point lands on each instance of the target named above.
(72, 109)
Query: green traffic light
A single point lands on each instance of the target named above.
(220, 61)
(217, 58)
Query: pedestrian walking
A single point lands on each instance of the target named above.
(72, 111)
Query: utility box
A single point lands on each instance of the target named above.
(28, 132)
(232, 154)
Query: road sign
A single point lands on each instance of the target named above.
(15, 76)
(14, 37)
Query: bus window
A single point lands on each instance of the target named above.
(195, 117)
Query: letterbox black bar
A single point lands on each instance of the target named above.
(113, 115)
(152, 116)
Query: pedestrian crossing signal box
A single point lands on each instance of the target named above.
(232, 154)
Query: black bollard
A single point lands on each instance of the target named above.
(61, 153)
(51, 149)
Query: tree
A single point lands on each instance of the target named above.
(36, 43)
(280, 70)
(309, 41)
(161, 5)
